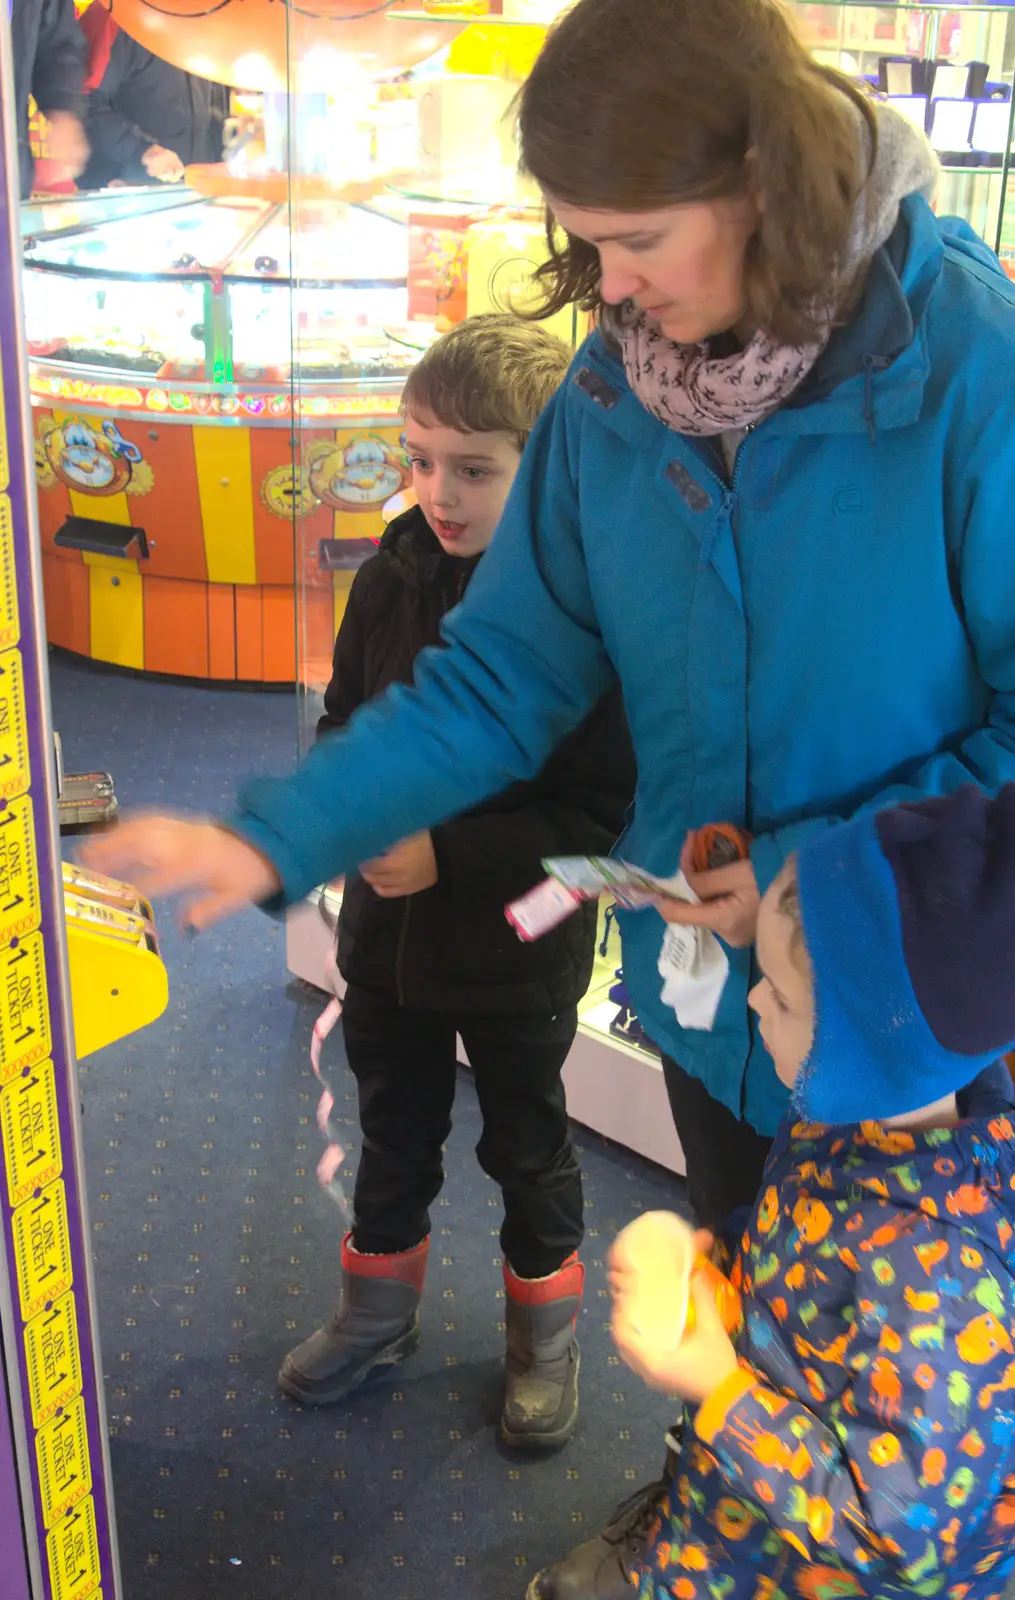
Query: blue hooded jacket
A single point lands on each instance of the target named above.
(832, 629)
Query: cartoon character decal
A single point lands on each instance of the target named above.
(89, 459)
(358, 475)
(286, 492)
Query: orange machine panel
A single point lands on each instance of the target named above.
(68, 608)
(279, 624)
(317, 619)
(249, 633)
(54, 500)
(54, 508)
(175, 627)
(275, 493)
(221, 630)
(170, 508)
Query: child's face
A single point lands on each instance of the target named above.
(784, 999)
(461, 481)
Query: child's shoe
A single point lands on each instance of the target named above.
(541, 1367)
(376, 1324)
(603, 1568)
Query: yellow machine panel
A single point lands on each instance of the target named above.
(117, 979)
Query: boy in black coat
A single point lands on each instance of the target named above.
(423, 943)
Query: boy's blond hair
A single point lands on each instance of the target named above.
(490, 374)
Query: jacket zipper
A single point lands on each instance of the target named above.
(403, 935)
(748, 429)
(403, 932)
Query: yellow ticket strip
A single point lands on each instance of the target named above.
(32, 1184)
(8, 571)
(24, 1006)
(54, 1376)
(30, 1132)
(20, 904)
(42, 1249)
(14, 774)
(73, 1550)
(64, 1469)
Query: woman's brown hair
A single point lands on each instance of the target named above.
(636, 105)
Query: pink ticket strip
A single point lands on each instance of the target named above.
(333, 1157)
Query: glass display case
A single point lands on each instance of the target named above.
(948, 68)
(166, 404)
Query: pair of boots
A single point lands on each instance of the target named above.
(376, 1324)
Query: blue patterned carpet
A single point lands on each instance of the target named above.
(215, 1251)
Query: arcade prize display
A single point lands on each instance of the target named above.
(949, 70)
(79, 967)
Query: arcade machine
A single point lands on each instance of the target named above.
(78, 955)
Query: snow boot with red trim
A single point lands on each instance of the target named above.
(541, 1367)
(376, 1324)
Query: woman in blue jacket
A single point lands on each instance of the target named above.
(774, 500)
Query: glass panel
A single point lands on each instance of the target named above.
(99, 322)
(40, 217)
(408, 214)
(203, 234)
(950, 72)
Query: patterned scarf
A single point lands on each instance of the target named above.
(691, 390)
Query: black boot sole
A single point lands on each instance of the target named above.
(293, 1383)
(520, 1439)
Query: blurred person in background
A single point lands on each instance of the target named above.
(49, 57)
(146, 119)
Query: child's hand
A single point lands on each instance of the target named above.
(162, 855)
(703, 1358)
(406, 868)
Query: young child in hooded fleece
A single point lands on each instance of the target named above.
(856, 1436)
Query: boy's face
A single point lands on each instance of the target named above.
(461, 481)
(784, 999)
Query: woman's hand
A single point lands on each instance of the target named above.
(702, 1360)
(406, 868)
(730, 900)
(162, 855)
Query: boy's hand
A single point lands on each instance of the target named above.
(702, 1359)
(163, 855)
(406, 868)
(729, 896)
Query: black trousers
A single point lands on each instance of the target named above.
(405, 1066)
(725, 1157)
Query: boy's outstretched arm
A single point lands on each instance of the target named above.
(920, 1388)
(526, 662)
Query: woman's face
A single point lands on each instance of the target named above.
(683, 266)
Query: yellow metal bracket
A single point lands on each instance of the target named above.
(117, 979)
